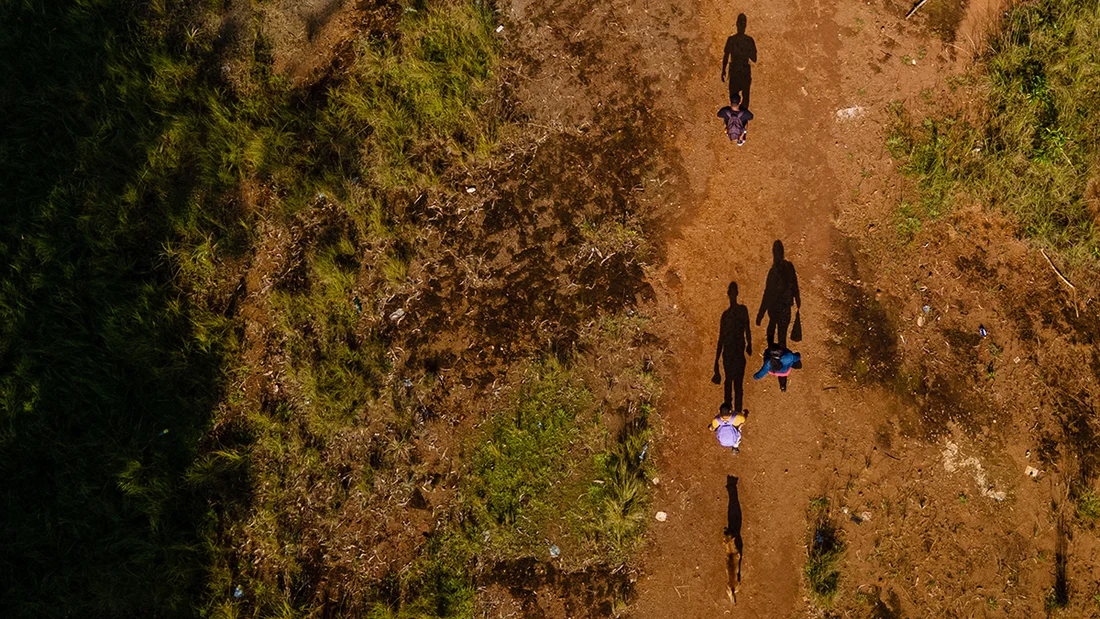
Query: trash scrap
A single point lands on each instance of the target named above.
(850, 113)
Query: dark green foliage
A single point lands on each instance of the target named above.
(1033, 150)
(107, 372)
(526, 451)
(824, 554)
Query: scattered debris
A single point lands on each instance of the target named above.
(850, 113)
(555, 552)
(1032, 472)
(661, 516)
(397, 315)
(920, 321)
(865, 516)
(656, 481)
(500, 27)
(982, 331)
(471, 189)
(238, 592)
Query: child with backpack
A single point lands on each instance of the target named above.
(727, 427)
(778, 361)
(736, 120)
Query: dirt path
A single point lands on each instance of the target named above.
(778, 186)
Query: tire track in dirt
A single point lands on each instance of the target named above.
(780, 185)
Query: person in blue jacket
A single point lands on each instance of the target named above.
(778, 361)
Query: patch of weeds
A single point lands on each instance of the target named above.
(437, 585)
(529, 450)
(419, 97)
(621, 500)
(906, 223)
(825, 553)
(1031, 152)
(1088, 505)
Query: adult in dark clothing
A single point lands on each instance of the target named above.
(734, 340)
(740, 50)
(737, 121)
(780, 291)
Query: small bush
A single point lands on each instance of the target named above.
(621, 501)
(825, 552)
(1088, 505)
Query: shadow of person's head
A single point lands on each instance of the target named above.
(777, 252)
(731, 292)
(742, 23)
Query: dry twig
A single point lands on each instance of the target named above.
(915, 9)
(1064, 281)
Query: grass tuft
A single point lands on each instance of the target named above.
(824, 555)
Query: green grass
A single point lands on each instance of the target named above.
(122, 157)
(1031, 149)
(825, 552)
(530, 449)
(1088, 505)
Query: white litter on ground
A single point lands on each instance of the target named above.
(952, 463)
(850, 113)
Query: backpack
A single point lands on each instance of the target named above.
(734, 126)
(728, 434)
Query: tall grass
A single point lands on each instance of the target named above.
(1031, 149)
(825, 552)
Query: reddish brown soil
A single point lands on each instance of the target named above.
(821, 185)
(780, 185)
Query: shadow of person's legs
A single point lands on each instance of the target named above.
(733, 523)
(735, 383)
(740, 84)
(783, 324)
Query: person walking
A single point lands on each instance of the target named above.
(780, 292)
(737, 121)
(727, 427)
(778, 361)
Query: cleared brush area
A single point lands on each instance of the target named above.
(348, 349)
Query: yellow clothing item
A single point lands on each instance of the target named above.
(738, 421)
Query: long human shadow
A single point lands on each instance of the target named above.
(735, 545)
(734, 340)
(780, 292)
(740, 50)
